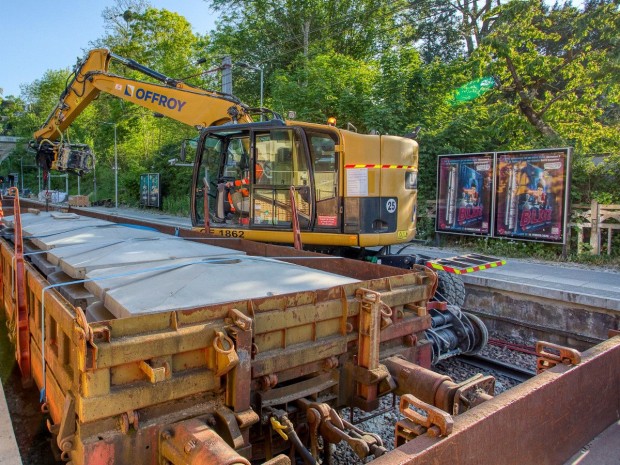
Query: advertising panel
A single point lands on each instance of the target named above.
(531, 194)
(464, 193)
(149, 190)
(144, 190)
(154, 190)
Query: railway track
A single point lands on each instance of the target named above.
(494, 366)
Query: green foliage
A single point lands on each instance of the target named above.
(179, 206)
(384, 66)
(555, 71)
(330, 84)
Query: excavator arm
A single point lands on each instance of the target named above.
(172, 98)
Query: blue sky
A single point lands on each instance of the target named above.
(37, 35)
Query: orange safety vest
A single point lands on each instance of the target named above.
(239, 183)
(244, 191)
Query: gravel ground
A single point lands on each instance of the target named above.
(458, 371)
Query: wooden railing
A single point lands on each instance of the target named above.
(600, 231)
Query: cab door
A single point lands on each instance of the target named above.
(325, 176)
(280, 162)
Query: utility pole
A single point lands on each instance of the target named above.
(227, 75)
(115, 169)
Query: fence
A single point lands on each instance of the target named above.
(601, 230)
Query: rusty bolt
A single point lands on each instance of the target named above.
(265, 383)
(331, 363)
(190, 446)
(410, 340)
(66, 446)
(211, 420)
(166, 434)
(268, 381)
(123, 421)
(135, 420)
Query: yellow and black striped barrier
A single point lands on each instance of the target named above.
(463, 264)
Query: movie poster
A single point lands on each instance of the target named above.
(531, 194)
(464, 193)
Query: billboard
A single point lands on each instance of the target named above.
(464, 193)
(531, 194)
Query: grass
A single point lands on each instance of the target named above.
(178, 206)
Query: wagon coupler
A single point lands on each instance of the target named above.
(325, 420)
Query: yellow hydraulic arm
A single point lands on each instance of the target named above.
(173, 98)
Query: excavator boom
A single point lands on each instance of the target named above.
(172, 98)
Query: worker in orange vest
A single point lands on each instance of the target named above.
(238, 190)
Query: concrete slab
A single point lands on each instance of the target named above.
(49, 224)
(77, 260)
(93, 234)
(27, 219)
(184, 284)
(143, 214)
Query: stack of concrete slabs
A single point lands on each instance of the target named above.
(189, 283)
(34, 220)
(81, 233)
(47, 224)
(78, 260)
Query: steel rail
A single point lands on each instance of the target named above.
(505, 369)
(524, 349)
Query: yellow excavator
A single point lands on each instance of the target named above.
(351, 190)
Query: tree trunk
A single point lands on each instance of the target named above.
(305, 29)
(525, 105)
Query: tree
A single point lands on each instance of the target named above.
(283, 35)
(330, 85)
(11, 112)
(448, 29)
(555, 68)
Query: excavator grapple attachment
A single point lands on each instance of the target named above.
(76, 158)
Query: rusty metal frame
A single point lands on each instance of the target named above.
(570, 404)
(21, 316)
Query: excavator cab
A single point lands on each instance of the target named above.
(248, 171)
(350, 190)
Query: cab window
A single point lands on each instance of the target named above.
(324, 159)
(237, 163)
(280, 164)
